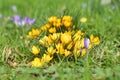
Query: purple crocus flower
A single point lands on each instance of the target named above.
(86, 43)
(21, 22)
(16, 18)
(29, 21)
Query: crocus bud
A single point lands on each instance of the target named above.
(86, 43)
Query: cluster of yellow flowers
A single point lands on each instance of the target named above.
(61, 39)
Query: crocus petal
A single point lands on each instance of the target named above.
(86, 43)
(16, 18)
(31, 21)
(26, 19)
(22, 23)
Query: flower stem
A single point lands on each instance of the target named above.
(61, 61)
(87, 70)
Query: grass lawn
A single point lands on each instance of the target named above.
(102, 21)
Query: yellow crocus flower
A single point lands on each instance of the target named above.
(57, 23)
(67, 18)
(77, 35)
(67, 53)
(55, 36)
(83, 52)
(49, 40)
(66, 21)
(77, 44)
(90, 46)
(42, 42)
(35, 50)
(94, 40)
(37, 62)
(46, 58)
(70, 45)
(47, 26)
(52, 19)
(33, 34)
(66, 37)
(60, 48)
(45, 41)
(52, 30)
(50, 50)
(67, 24)
(43, 28)
(82, 42)
(76, 52)
(83, 20)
